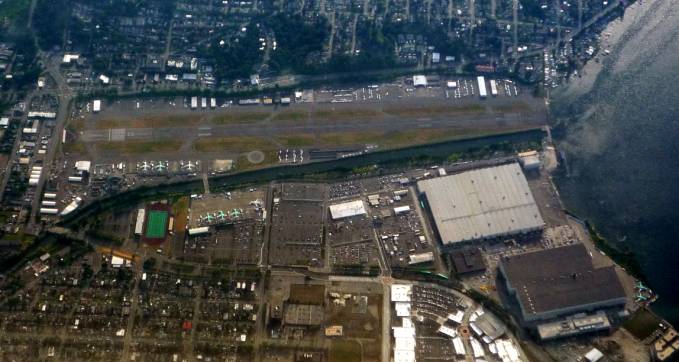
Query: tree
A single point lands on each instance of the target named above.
(50, 20)
(299, 43)
(149, 264)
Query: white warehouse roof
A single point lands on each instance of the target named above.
(420, 80)
(404, 343)
(401, 292)
(483, 203)
(404, 356)
(421, 258)
(199, 231)
(83, 165)
(594, 355)
(139, 225)
(402, 309)
(347, 209)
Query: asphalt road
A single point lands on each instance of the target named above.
(64, 95)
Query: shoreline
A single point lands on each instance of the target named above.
(579, 99)
(623, 258)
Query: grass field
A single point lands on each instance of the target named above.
(422, 111)
(233, 143)
(240, 117)
(307, 294)
(180, 210)
(136, 147)
(344, 351)
(156, 224)
(300, 140)
(270, 158)
(186, 120)
(346, 114)
(74, 147)
(387, 140)
(289, 116)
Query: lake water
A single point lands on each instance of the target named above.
(619, 127)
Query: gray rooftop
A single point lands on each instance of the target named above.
(483, 203)
(303, 314)
(560, 278)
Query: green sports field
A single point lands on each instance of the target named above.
(156, 224)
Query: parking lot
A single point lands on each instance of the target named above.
(399, 229)
(240, 243)
(296, 230)
(450, 88)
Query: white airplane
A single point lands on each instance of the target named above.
(189, 166)
(144, 166)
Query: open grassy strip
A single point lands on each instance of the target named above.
(338, 139)
(236, 144)
(136, 147)
(186, 120)
(350, 138)
(180, 120)
(270, 159)
(406, 138)
(76, 147)
(307, 294)
(180, 210)
(300, 140)
(345, 114)
(422, 136)
(239, 117)
(423, 111)
(342, 350)
(291, 116)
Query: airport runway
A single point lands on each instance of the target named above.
(272, 129)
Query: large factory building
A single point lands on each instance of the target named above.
(481, 204)
(559, 292)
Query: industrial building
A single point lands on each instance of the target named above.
(347, 209)
(420, 258)
(405, 336)
(482, 86)
(530, 160)
(560, 293)
(139, 224)
(401, 292)
(490, 326)
(303, 314)
(420, 81)
(481, 204)
(468, 261)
